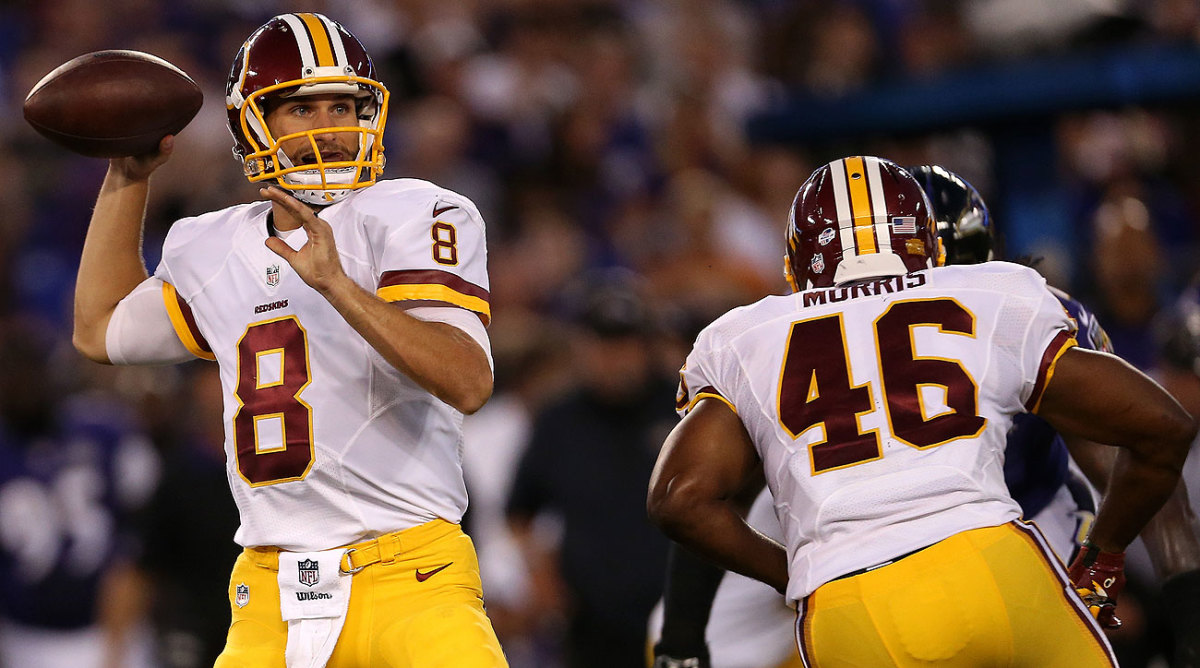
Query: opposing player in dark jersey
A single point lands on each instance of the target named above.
(1041, 477)
(1179, 372)
(1040, 464)
(1051, 490)
(74, 470)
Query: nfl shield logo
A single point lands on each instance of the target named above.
(242, 595)
(272, 275)
(818, 263)
(309, 574)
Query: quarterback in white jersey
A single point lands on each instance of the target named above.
(874, 401)
(309, 400)
(347, 316)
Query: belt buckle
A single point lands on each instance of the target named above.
(346, 558)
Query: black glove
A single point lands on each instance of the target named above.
(687, 601)
(1181, 598)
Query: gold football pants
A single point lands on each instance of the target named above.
(987, 597)
(421, 608)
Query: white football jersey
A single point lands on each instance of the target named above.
(326, 443)
(880, 410)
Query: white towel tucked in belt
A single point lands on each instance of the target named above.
(314, 595)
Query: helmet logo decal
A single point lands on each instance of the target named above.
(818, 263)
(826, 236)
(915, 247)
(904, 225)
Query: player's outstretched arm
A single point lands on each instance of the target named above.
(111, 265)
(1172, 537)
(1102, 398)
(441, 358)
(1174, 548)
(706, 477)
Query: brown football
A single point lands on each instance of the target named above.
(115, 103)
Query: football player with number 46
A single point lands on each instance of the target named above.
(902, 545)
(729, 621)
(347, 316)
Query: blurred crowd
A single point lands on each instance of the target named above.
(606, 144)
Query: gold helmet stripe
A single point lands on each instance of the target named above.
(860, 205)
(321, 40)
(339, 46)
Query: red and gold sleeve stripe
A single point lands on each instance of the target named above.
(708, 392)
(1059, 345)
(184, 323)
(433, 285)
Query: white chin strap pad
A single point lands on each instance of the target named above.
(317, 195)
(320, 197)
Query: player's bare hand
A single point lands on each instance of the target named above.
(140, 167)
(316, 262)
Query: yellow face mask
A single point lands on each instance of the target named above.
(325, 182)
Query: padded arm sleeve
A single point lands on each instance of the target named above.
(461, 318)
(140, 331)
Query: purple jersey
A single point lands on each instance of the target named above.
(66, 499)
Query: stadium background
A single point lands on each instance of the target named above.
(663, 140)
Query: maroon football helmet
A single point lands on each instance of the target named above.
(305, 54)
(856, 218)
